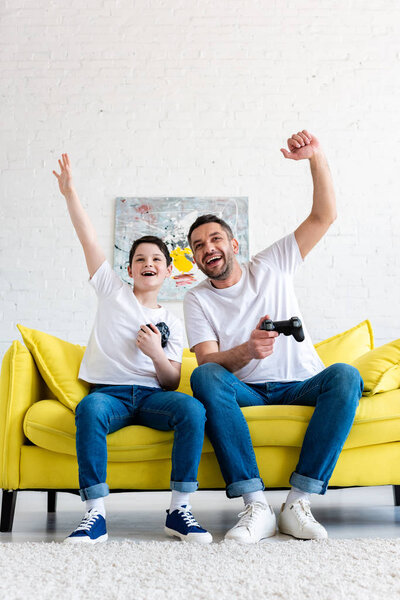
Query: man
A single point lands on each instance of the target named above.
(242, 365)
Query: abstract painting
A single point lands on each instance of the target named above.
(170, 219)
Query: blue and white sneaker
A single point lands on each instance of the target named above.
(182, 524)
(91, 530)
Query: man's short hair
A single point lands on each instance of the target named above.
(150, 239)
(203, 219)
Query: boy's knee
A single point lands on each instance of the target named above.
(90, 407)
(192, 409)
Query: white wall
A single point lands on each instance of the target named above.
(169, 97)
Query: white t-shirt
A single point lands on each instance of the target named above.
(229, 315)
(112, 355)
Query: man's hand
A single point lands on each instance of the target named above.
(261, 343)
(65, 178)
(149, 341)
(301, 145)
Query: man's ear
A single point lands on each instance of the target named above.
(130, 272)
(169, 270)
(235, 245)
(192, 253)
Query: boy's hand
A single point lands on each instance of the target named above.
(65, 178)
(149, 341)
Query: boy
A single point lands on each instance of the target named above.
(133, 376)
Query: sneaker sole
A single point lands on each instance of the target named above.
(296, 537)
(192, 538)
(86, 540)
(240, 540)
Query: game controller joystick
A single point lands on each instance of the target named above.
(164, 330)
(291, 327)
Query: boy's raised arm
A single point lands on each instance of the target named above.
(86, 233)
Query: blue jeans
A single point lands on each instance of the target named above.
(110, 407)
(334, 392)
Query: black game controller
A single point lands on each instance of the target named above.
(164, 330)
(291, 327)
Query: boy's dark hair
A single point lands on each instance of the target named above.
(203, 219)
(150, 239)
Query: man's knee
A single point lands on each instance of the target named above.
(347, 379)
(349, 375)
(208, 374)
(212, 384)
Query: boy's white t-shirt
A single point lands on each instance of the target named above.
(111, 355)
(229, 315)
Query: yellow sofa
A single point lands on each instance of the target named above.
(39, 391)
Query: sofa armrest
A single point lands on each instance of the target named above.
(20, 386)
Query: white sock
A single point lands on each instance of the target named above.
(178, 499)
(296, 494)
(98, 504)
(258, 496)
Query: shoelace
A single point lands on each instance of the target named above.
(188, 517)
(88, 521)
(305, 513)
(250, 511)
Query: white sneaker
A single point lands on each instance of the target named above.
(297, 520)
(257, 522)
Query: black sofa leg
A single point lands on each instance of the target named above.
(396, 495)
(51, 501)
(8, 510)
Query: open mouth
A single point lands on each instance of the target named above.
(148, 274)
(214, 260)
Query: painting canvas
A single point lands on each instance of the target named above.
(170, 219)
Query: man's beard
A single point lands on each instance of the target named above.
(224, 274)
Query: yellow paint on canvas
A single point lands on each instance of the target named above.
(180, 260)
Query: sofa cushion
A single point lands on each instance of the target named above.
(347, 346)
(380, 368)
(58, 363)
(50, 425)
(189, 363)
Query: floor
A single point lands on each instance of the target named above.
(346, 513)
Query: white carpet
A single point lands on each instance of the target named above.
(326, 570)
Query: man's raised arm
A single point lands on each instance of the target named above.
(302, 146)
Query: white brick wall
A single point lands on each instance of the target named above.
(170, 97)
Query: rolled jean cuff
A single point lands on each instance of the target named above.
(238, 488)
(94, 491)
(184, 486)
(307, 484)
